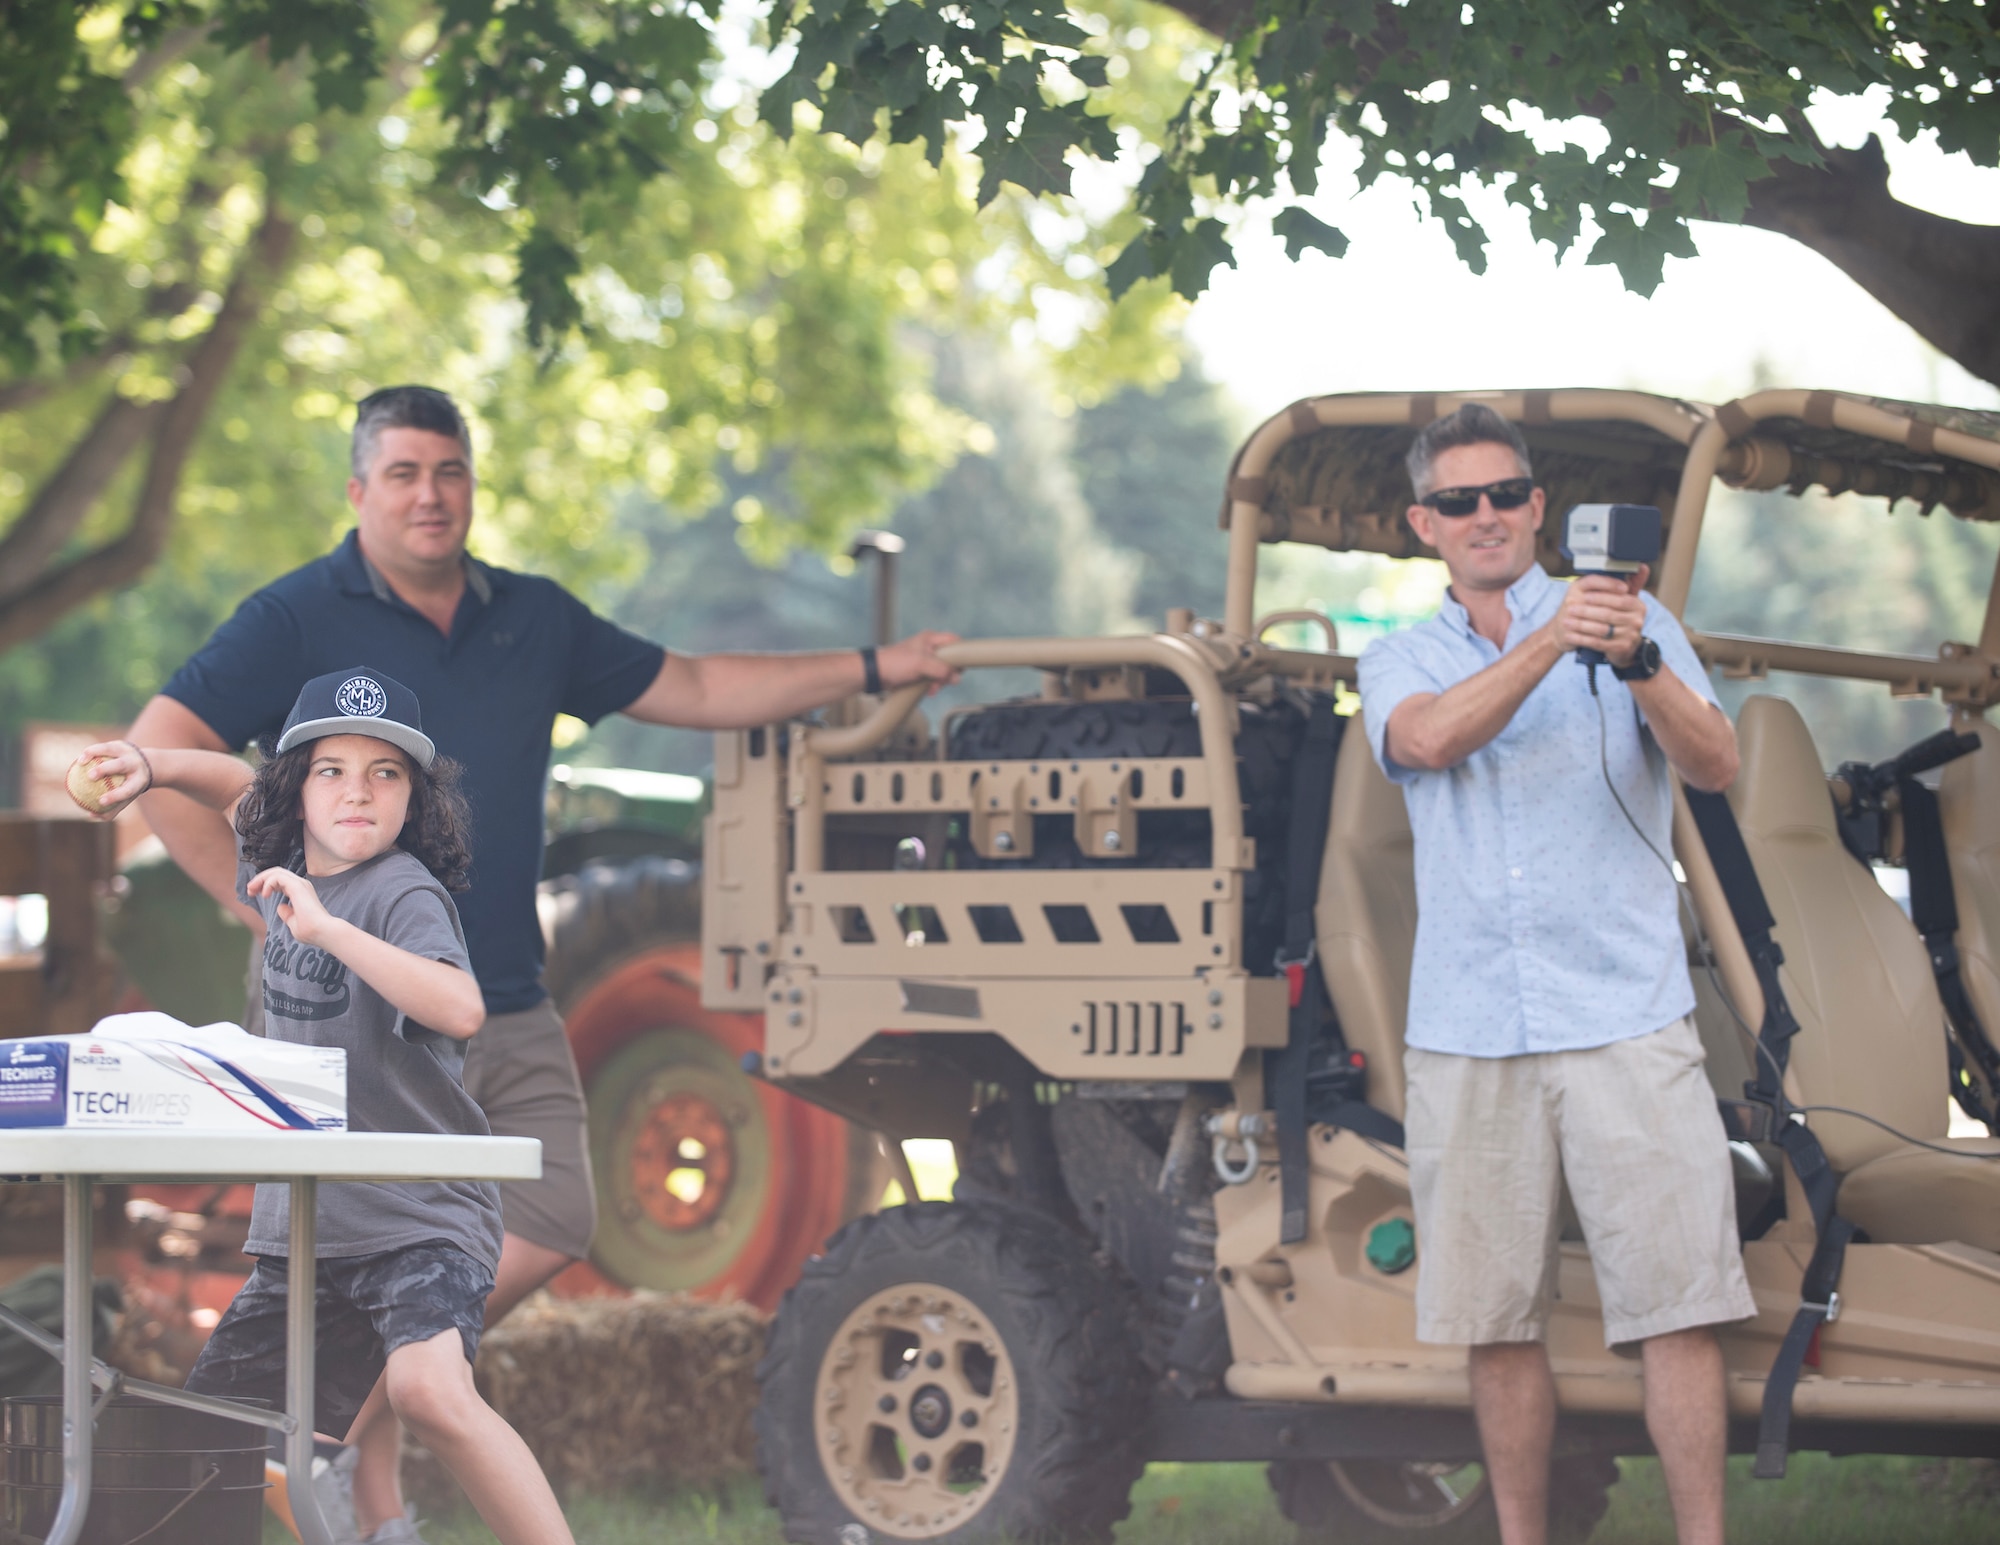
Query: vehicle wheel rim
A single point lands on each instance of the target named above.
(683, 1159)
(1412, 1496)
(683, 1154)
(917, 1408)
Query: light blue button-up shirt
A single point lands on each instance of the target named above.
(1543, 923)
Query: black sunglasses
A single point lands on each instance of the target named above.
(1507, 494)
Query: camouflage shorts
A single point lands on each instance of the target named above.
(365, 1307)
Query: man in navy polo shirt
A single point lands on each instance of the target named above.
(494, 656)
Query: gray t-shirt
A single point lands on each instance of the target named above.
(401, 1077)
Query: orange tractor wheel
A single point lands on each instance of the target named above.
(709, 1181)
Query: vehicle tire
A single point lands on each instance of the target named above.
(951, 1371)
(708, 1181)
(1391, 1502)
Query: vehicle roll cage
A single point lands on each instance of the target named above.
(1608, 445)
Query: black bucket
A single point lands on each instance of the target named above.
(164, 1474)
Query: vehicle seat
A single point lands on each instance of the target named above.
(1366, 921)
(1969, 803)
(1871, 1029)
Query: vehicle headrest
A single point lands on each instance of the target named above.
(1367, 808)
(1969, 793)
(1782, 784)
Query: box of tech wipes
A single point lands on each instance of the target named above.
(150, 1070)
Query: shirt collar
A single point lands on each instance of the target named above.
(1525, 597)
(360, 577)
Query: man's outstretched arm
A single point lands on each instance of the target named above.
(1431, 731)
(196, 838)
(741, 691)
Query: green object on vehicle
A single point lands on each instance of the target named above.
(620, 813)
(669, 803)
(1392, 1246)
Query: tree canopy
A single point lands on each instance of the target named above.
(1602, 119)
(1610, 117)
(236, 232)
(579, 213)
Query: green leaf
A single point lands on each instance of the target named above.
(921, 120)
(1303, 231)
(1034, 161)
(1092, 70)
(1131, 265)
(1197, 254)
(548, 265)
(906, 23)
(1714, 181)
(337, 35)
(1639, 252)
(851, 114)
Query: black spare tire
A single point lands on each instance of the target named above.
(1267, 742)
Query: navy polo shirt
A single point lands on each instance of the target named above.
(522, 650)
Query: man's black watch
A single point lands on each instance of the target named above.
(1645, 664)
(871, 672)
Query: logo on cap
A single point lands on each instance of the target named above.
(360, 698)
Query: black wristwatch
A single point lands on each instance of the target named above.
(1645, 662)
(871, 673)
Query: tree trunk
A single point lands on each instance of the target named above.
(35, 598)
(1941, 276)
(72, 491)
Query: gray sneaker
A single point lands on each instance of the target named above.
(395, 1531)
(333, 1489)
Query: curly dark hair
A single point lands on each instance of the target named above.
(435, 830)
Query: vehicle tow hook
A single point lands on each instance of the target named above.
(1235, 1150)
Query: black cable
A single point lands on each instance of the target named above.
(1707, 952)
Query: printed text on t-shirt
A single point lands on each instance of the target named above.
(318, 981)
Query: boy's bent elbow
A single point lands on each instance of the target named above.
(468, 1013)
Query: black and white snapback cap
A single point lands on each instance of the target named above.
(358, 702)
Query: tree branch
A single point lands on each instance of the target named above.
(27, 614)
(1220, 17)
(172, 48)
(1935, 273)
(29, 390)
(73, 490)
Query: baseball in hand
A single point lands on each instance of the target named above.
(88, 791)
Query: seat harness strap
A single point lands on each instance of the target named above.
(1767, 1115)
(1724, 840)
(1312, 1024)
(1934, 909)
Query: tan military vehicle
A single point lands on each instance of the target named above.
(1055, 931)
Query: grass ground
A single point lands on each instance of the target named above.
(1862, 1501)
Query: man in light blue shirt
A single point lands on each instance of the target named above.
(1548, 1033)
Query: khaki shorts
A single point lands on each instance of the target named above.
(1633, 1128)
(520, 1071)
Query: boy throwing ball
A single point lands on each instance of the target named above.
(351, 838)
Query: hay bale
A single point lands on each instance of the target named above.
(613, 1392)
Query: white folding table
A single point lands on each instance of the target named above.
(81, 1159)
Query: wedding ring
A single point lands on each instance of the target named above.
(1611, 630)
